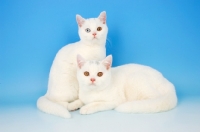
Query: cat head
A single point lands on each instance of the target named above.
(94, 75)
(93, 30)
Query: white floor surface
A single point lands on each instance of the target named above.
(27, 118)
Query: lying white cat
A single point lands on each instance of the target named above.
(130, 88)
(63, 85)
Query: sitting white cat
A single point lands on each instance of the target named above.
(130, 88)
(63, 84)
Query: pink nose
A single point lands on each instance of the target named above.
(94, 34)
(92, 79)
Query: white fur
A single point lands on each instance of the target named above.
(130, 88)
(63, 85)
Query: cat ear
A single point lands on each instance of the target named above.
(80, 61)
(107, 62)
(80, 20)
(102, 17)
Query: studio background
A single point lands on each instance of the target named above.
(162, 34)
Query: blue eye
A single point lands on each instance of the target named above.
(87, 30)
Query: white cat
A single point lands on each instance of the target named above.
(63, 86)
(130, 88)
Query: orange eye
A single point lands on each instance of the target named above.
(86, 73)
(99, 74)
(99, 28)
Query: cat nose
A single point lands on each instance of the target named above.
(92, 79)
(94, 34)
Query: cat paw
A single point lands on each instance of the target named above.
(74, 105)
(85, 110)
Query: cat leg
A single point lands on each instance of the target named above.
(149, 103)
(148, 106)
(141, 95)
(58, 96)
(75, 105)
(63, 84)
(96, 107)
(63, 89)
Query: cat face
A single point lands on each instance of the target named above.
(93, 29)
(94, 75)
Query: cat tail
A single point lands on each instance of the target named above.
(50, 107)
(160, 104)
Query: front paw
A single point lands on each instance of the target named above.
(72, 107)
(85, 110)
(75, 105)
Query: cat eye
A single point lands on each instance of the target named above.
(99, 74)
(86, 73)
(87, 30)
(99, 28)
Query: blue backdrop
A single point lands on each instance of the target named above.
(164, 34)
